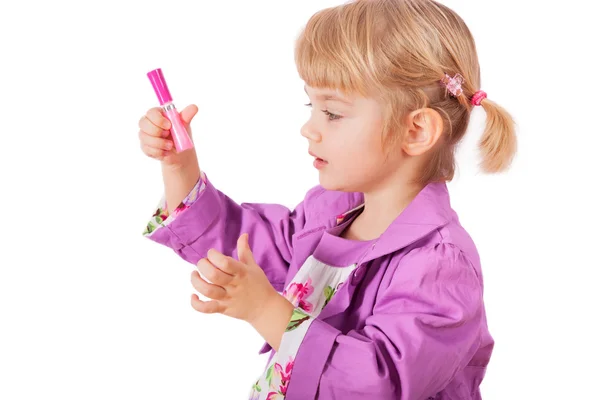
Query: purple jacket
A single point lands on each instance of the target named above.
(410, 323)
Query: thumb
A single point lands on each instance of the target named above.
(244, 251)
(188, 113)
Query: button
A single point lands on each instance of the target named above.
(358, 274)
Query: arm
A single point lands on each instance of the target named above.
(424, 328)
(207, 218)
(178, 183)
(274, 320)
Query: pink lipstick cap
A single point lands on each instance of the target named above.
(160, 86)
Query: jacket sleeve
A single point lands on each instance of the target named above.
(161, 216)
(213, 220)
(424, 329)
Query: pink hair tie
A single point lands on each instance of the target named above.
(478, 97)
(454, 85)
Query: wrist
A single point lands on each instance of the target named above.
(276, 311)
(186, 167)
(259, 315)
(182, 176)
(178, 181)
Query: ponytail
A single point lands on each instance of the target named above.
(498, 144)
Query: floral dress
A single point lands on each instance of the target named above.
(310, 290)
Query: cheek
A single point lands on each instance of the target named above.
(364, 146)
(359, 157)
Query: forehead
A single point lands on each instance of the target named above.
(329, 94)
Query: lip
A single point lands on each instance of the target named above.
(316, 156)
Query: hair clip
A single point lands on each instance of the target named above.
(453, 84)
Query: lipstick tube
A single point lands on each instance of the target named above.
(181, 138)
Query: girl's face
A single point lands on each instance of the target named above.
(346, 134)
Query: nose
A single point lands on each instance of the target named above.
(309, 132)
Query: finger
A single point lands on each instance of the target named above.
(244, 252)
(155, 116)
(225, 264)
(156, 142)
(207, 289)
(148, 127)
(154, 152)
(213, 274)
(188, 113)
(206, 307)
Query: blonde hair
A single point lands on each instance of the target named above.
(398, 51)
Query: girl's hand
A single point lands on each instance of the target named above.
(156, 140)
(239, 289)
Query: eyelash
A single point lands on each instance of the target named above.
(329, 115)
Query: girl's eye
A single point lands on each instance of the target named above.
(330, 115)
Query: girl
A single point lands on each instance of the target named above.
(370, 288)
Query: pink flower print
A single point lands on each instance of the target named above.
(306, 306)
(297, 292)
(275, 396)
(284, 375)
(161, 214)
(181, 208)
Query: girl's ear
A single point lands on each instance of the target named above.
(425, 127)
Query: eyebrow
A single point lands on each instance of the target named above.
(332, 97)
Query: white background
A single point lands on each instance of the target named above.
(90, 309)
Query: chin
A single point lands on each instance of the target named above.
(336, 185)
(327, 183)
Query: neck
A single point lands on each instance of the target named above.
(383, 204)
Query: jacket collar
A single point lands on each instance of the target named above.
(428, 211)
